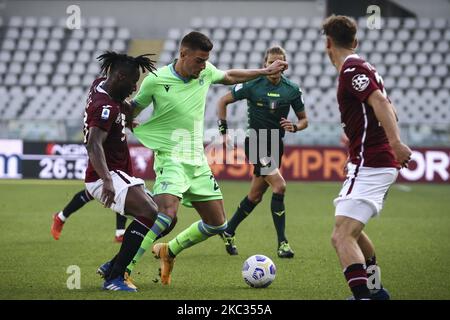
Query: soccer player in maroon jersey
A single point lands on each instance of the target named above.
(109, 175)
(78, 201)
(376, 153)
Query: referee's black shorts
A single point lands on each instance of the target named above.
(263, 159)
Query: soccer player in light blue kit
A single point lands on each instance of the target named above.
(175, 133)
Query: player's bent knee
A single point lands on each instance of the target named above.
(341, 238)
(145, 221)
(280, 189)
(213, 230)
(255, 198)
(334, 240)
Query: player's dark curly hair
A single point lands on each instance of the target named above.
(112, 60)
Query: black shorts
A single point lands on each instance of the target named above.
(264, 159)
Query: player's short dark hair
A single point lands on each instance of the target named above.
(112, 61)
(197, 41)
(274, 50)
(341, 29)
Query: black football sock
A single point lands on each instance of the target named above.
(132, 239)
(244, 209)
(356, 277)
(78, 200)
(278, 215)
(120, 222)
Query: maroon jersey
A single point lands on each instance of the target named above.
(368, 143)
(104, 113)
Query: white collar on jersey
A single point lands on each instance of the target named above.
(353, 55)
(100, 89)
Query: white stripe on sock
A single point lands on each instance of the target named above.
(61, 216)
(359, 278)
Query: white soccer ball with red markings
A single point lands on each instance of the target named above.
(258, 271)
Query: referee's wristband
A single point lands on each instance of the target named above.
(223, 126)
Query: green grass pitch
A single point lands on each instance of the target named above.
(412, 239)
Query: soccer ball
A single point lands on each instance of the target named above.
(258, 271)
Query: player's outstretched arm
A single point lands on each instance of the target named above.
(224, 101)
(234, 76)
(97, 158)
(384, 111)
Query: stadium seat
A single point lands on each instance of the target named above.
(109, 22)
(19, 56)
(211, 22)
(235, 34)
(393, 23)
(38, 45)
(245, 46)
(46, 22)
(119, 45)
(15, 21)
(265, 34)
(226, 22)
(8, 44)
(123, 34)
(12, 33)
(108, 34)
(260, 46)
(93, 33)
(230, 45)
(25, 79)
(41, 80)
(280, 35)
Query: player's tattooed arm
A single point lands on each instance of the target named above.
(97, 158)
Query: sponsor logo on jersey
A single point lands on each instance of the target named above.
(105, 112)
(201, 81)
(164, 185)
(349, 70)
(167, 87)
(360, 82)
(272, 94)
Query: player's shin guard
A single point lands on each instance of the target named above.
(356, 277)
(243, 210)
(161, 223)
(196, 233)
(132, 239)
